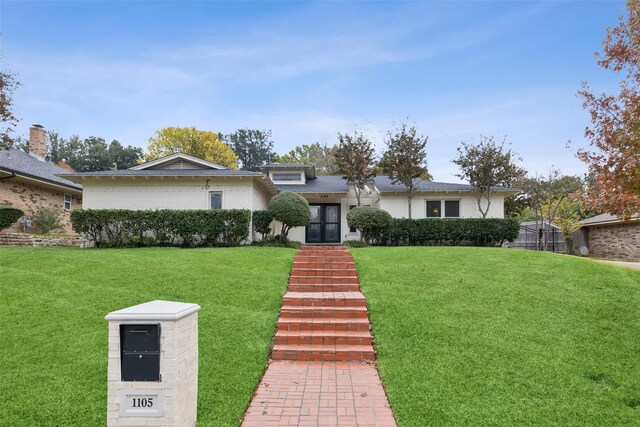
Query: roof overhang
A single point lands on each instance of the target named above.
(40, 181)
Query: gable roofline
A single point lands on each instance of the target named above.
(174, 156)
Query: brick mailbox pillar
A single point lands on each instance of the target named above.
(153, 365)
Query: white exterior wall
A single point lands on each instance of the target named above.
(397, 205)
(167, 193)
(172, 193)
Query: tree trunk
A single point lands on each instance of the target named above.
(409, 199)
(357, 191)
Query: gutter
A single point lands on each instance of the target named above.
(13, 175)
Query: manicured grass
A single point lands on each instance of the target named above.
(53, 336)
(481, 336)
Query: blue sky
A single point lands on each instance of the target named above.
(306, 70)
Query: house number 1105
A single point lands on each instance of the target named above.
(142, 402)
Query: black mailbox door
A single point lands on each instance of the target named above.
(140, 352)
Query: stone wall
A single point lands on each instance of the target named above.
(30, 197)
(22, 239)
(615, 241)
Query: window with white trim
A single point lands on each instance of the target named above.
(215, 200)
(67, 201)
(443, 208)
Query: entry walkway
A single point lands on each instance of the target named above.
(321, 372)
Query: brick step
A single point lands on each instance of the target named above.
(346, 265)
(325, 299)
(327, 258)
(328, 338)
(323, 352)
(320, 279)
(323, 287)
(315, 324)
(328, 271)
(323, 248)
(307, 312)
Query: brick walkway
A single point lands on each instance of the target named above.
(320, 373)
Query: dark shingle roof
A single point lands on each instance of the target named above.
(383, 183)
(24, 164)
(320, 184)
(168, 172)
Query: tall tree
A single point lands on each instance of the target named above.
(405, 159)
(253, 147)
(8, 85)
(320, 155)
(90, 154)
(615, 131)
(354, 160)
(485, 166)
(189, 140)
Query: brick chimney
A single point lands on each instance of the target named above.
(37, 142)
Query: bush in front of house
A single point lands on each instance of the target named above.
(261, 222)
(370, 222)
(162, 227)
(451, 231)
(291, 209)
(46, 219)
(9, 215)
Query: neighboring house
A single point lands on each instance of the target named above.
(28, 182)
(608, 236)
(180, 181)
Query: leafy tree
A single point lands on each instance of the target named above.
(354, 160)
(405, 160)
(485, 166)
(567, 218)
(291, 209)
(254, 148)
(547, 194)
(91, 154)
(320, 155)
(615, 131)
(87, 155)
(8, 84)
(189, 140)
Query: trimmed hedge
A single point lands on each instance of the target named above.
(163, 227)
(450, 231)
(291, 209)
(9, 215)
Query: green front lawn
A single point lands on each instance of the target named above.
(53, 336)
(481, 336)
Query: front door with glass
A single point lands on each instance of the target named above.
(325, 224)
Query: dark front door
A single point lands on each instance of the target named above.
(325, 224)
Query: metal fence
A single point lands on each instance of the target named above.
(538, 237)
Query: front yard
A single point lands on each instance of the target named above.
(53, 336)
(465, 336)
(481, 336)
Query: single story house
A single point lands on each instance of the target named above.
(27, 182)
(608, 236)
(180, 181)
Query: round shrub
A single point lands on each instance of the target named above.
(291, 209)
(371, 222)
(9, 215)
